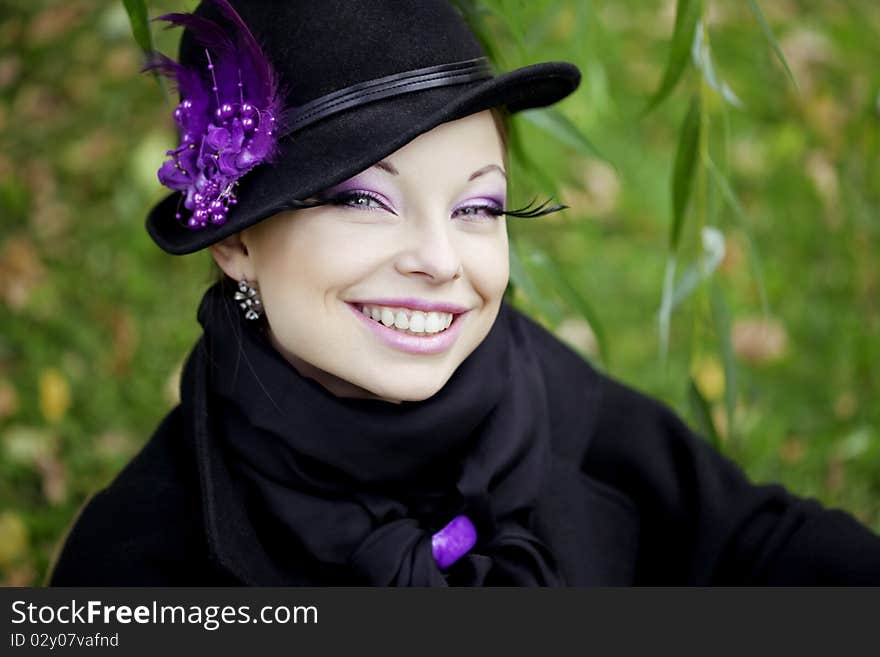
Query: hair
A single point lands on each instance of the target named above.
(501, 116)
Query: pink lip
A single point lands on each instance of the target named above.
(414, 304)
(413, 344)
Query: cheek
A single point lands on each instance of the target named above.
(488, 267)
(301, 271)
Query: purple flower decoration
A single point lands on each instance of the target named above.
(227, 116)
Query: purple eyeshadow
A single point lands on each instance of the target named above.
(365, 182)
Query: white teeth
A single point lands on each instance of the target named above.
(432, 323)
(417, 322)
(401, 321)
(410, 321)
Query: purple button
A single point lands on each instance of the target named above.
(451, 542)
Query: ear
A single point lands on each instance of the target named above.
(234, 258)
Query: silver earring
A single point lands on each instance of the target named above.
(249, 300)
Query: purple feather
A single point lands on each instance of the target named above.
(227, 118)
(260, 72)
(205, 31)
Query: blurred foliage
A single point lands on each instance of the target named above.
(770, 285)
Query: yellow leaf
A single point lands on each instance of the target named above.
(845, 406)
(759, 340)
(8, 399)
(54, 479)
(54, 395)
(20, 270)
(719, 419)
(792, 450)
(114, 445)
(577, 333)
(23, 574)
(26, 445)
(13, 538)
(709, 377)
(172, 385)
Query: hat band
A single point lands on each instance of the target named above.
(442, 75)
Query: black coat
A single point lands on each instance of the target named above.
(635, 497)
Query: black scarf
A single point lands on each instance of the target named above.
(360, 485)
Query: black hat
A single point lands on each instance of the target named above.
(360, 78)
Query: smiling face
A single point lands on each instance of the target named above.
(408, 230)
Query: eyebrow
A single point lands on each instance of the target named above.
(387, 166)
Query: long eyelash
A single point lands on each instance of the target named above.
(527, 213)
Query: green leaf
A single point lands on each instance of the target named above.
(664, 315)
(557, 125)
(14, 201)
(140, 26)
(702, 56)
(521, 278)
(555, 277)
(521, 155)
(742, 219)
(710, 257)
(683, 170)
(701, 413)
(674, 292)
(539, 31)
(511, 15)
(687, 13)
(768, 34)
(721, 320)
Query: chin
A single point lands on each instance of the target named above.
(407, 393)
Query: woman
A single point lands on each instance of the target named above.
(364, 407)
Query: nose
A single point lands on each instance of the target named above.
(430, 251)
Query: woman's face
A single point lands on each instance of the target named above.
(400, 236)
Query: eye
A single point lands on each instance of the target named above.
(365, 200)
(360, 199)
(483, 212)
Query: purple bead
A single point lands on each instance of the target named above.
(247, 123)
(198, 198)
(454, 540)
(218, 218)
(225, 111)
(248, 110)
(186, 104)
(201, 215)
(217, 205)
(193, 223)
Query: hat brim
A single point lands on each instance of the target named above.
(344, 144)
